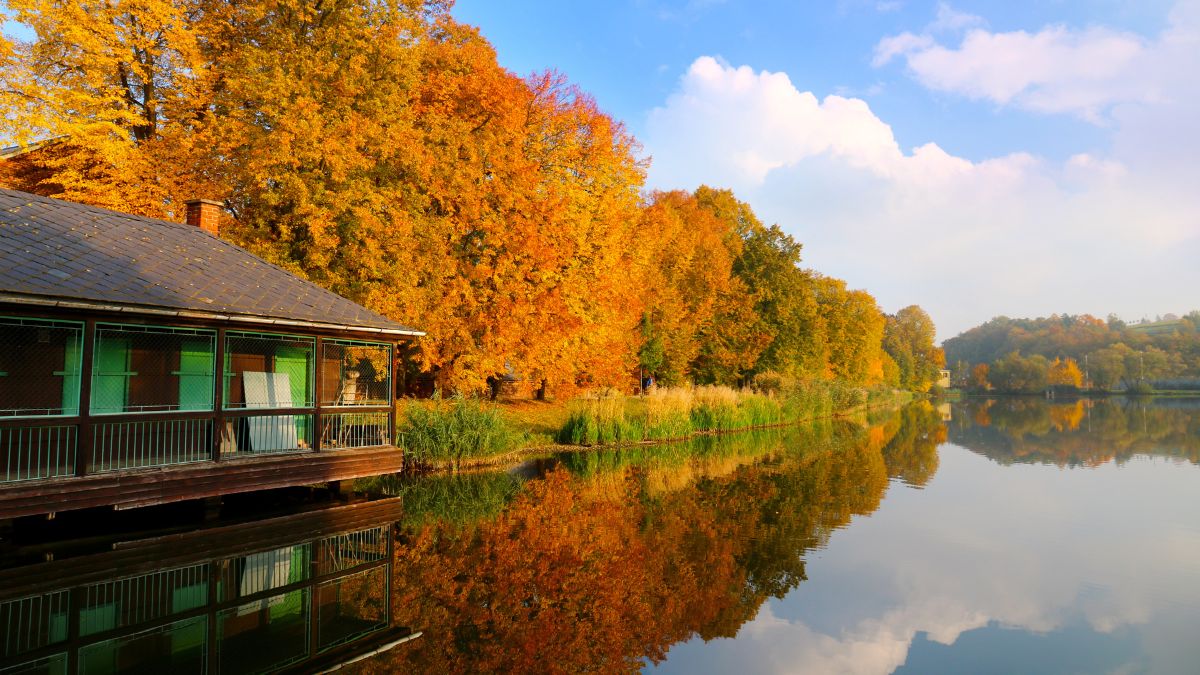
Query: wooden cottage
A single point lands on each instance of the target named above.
(144, 361)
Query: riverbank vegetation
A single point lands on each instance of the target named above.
(462, 431)
(681, 412)
(447, 432)
(380, 150)
(1078, 353)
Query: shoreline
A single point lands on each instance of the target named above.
(529, 452)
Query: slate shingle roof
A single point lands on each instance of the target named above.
(53, 249)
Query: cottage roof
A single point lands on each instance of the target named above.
(54, 252)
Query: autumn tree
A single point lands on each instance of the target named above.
(909, 339)
(784, 297)
(700, 311)
(1106, 367)
(1065, 373)
(979, 380)
(854, 328)
(1020, 374)
(117, 99)
(494, 212)
(1101, 348)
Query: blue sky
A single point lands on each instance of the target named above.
(630, 56)
(1055, 171)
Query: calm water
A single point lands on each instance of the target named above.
(1005, 536)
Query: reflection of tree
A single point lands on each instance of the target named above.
(1078, 433)
(912, 454)
(460, 498)
(607, 561)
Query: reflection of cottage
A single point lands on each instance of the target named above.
(143, 361)
(945, 411)
(943, 380)
(302, 593)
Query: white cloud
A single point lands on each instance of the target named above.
(950, 20)
(899, 45)
(1055, 70)
(968, 240)
(1084, 72)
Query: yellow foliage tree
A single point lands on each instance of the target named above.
(1065, 373)
(124, 86)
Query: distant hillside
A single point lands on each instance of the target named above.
(1077, 350)
(1158, 327)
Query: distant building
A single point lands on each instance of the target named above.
(943, 380)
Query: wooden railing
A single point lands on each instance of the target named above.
(38, 448)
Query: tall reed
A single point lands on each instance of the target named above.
(447, 431)
(678, 412)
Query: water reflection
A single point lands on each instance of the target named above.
(899, 543)
(604, 560)
(1006, 561)
(298, 593)
(1078, 433)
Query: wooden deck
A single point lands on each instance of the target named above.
(162, 485)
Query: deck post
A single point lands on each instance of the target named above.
(83, 454)
(394, 384)
(318, 382)
(219, 397)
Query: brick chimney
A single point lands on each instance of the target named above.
(205, 214)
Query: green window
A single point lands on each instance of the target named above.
(294, 361)
(250, 356)
(39, 367)
(152, 369)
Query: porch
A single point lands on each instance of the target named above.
(100, 412)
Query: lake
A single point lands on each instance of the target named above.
(991, 536)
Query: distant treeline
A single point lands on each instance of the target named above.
(1077, 352)
(380, 150)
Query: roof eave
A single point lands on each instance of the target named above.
(63, 303)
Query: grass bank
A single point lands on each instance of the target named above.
(459, 432)
(681, 412)
(456, 431)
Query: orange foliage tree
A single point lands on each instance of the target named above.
(376, 147)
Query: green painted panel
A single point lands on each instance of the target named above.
(110, 377)
(97, 619)
(197, 361)
(295, 362)
(189, 597)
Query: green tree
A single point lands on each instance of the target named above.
(909, 338)
(1106, 367)
(1019, 374)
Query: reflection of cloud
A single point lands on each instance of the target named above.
(1028, 548)
(794, 648)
